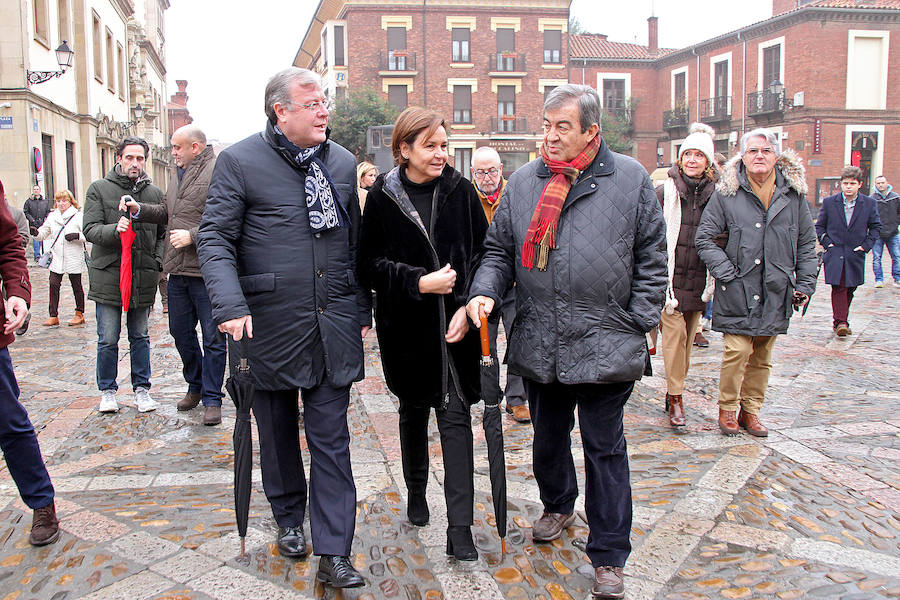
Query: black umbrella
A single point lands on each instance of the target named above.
(240, 387)
(821, 259)
(493, 430)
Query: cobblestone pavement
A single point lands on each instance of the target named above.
(146, 499)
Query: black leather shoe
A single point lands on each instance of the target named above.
(417, 510)
(460, 544)
(291, 542)
(337, 572)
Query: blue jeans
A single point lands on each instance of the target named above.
(19, 442)
(109, 326)
(893, 246)
(707, 314)
(204, 371)
(37, 247)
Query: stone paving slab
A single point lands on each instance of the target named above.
(146, 502)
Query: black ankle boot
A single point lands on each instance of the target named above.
(417, 510)
(460, 544)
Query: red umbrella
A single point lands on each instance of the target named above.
(127, 239)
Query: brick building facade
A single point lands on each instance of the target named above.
(484, 65)
(822, 73)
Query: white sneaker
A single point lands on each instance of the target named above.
(108, 402)
(879, 284)
(144, 402)
(896, 284)
(705, 324)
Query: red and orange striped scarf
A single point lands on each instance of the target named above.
(541, 237)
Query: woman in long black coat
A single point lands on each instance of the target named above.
(421, 240)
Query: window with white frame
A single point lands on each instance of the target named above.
(867, 69)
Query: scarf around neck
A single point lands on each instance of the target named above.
(325, 212)
(541, 237)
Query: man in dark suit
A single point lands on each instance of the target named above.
(848, 227)
(300, 305)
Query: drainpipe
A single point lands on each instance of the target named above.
(694, 52)
(424, 56)
(743, 81)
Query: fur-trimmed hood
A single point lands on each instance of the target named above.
(789, 165)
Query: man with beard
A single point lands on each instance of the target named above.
(103, 225)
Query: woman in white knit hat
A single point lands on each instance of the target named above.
(683, 197)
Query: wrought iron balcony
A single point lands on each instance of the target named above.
(508, 124)
(676, 118)
(765, 103)
(397, 60)
(506, 62)
(715, 110)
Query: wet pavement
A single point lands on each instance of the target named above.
(146, 501)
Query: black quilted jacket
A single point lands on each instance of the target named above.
(582, 320)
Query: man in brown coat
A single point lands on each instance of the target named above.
(188, 301)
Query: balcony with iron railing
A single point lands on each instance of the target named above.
(396, 61)
(715, 110)
(623, 114)
(765, 104)
(508, 124)
(506, 64)
(677, 118)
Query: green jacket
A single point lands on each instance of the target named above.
(101, 213)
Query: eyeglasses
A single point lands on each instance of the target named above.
(764, 151)
(314, 106)
(482, 173)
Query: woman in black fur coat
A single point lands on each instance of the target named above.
(422, 234)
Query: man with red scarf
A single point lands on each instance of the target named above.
(487, 175)
(581, 234)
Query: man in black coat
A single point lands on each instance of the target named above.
(277, 249)
(36, 210)
(848, 226)
(581, 234)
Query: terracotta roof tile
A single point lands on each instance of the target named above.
(598, 46)
(853, 4)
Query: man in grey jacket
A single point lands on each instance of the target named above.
(889, 213)
(766, 270)
(189, 303)
(581, 234)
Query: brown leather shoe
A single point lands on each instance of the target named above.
(51, 322)
(675, 408)
(520, 413)
(189, 402)
(212, 415)
(550, 526)
(751, 424)
(77, 320)
(700, 341)
(609, 582)
(842, 330)
(728, 422)
(44, 526)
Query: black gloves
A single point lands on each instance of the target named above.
(71, 237)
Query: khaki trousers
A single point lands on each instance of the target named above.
(746, 366)
(678, 331)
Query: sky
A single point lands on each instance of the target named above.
(227, 49)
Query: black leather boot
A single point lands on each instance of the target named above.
(460, 544)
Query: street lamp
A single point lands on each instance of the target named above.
(138, 112)
(776, 88)
(64, 56)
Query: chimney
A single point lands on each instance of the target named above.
(653, 36)
(783, 6)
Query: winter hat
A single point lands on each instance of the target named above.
(699, 138)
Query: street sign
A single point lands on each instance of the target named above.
(6, 122)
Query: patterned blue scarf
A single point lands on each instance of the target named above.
(325, 212)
